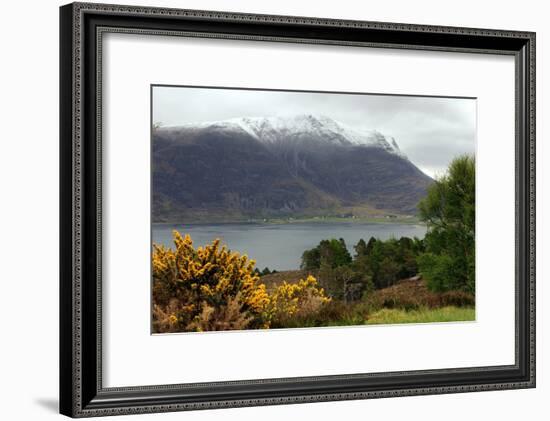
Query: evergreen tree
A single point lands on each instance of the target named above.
(449, 211)
(332, 253)
(311, 259)
(360, 248)
(371, 244)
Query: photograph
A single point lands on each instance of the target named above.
(293, 209)
(270, 206)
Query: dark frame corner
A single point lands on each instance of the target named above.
(81, 390)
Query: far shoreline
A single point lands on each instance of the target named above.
(314, 220)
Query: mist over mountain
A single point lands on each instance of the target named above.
(279, 167)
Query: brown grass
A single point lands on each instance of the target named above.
(412, 293)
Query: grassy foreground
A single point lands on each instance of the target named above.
(425, 315)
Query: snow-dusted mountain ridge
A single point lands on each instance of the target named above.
(300, 127)
(298, 166)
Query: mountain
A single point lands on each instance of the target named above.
(267, 167)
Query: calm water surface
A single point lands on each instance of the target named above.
(280, 246)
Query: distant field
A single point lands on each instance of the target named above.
(202, 218)
(443, 314)
(394, 219)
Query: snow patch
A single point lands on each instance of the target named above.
(294, 128)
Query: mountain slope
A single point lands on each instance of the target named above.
(278, 167)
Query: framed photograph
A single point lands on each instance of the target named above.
(260, 210)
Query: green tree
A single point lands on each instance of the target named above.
(449, 211)
(361, 258)
(332, 253)
(360, 248)
(406, 257)
(389, 261)
(311, 259)
(388, 273)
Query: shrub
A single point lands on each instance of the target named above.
(164, 317)
(457, 299)
(205, 288)
(225, 317)
(331, 313)
(412, 294)
(343, 282)
(390, 298)
(292, 304)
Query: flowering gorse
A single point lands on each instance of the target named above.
(213, 288)
(186, 281)
(298, 300)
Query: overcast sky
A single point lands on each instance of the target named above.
(430, 130)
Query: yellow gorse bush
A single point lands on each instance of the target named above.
(213, 288)
(188, 280)
(296, 300)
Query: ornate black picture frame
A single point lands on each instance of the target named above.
(81, 390)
